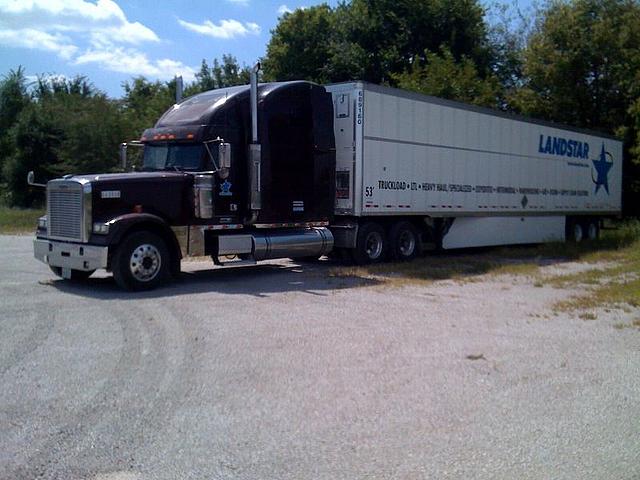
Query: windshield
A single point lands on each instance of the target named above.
(172, 157)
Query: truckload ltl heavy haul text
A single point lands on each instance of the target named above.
(296, 169)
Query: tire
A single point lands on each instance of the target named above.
(592, 230)
(371, 244)
(141, 262)
(404, 241)
(76, 275)
(576, 232)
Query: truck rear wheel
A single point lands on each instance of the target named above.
(404, 241)
(141, 262)
(593, 230)
(371, 244)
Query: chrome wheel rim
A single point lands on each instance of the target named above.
(373, 245)
(577, 233)
(593, 231)
(406, 243)
(145, 262)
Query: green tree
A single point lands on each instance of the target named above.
(143, 103)
(69, 128)
(374, 39)
(582, 67)
(226, 74)
(300, 45)
(13, 99)
(442, 76)
(35, 137)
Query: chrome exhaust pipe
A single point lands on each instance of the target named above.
(255, 153)
(253, 80)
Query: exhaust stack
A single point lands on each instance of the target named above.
(255, 195)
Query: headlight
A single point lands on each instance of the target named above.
(100, 228)
(42, 223)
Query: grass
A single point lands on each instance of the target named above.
(615, 285)
(634, 324)
(614, 279)
(19, 220)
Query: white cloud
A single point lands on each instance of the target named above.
(103, 18)
(38, 40)
(134, 62)
(242, 3)
(282, 9)
(101, 28)
(225, 29)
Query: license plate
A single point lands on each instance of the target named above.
(66, 273)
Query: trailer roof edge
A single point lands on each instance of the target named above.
(474, 108)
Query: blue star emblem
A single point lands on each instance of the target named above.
(225, 189)
(602, 167)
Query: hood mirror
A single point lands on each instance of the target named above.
(31, 180)
(224, 159)
(220, 155)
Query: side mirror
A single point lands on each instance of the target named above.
(31, 180)
(123, 151)
(224, 159)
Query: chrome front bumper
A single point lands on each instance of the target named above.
(70, 255)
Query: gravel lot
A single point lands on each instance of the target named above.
(282, 372)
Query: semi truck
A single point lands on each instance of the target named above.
(298, 170)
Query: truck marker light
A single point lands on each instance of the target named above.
(137, 209)
(190, 136)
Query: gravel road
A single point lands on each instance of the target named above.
(283, 372)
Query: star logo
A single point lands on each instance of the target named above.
(602, 167)
(225, 189)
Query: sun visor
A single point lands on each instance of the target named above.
(191, 133)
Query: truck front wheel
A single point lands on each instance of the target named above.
(404, 241)
(141, 262)
(371, 244)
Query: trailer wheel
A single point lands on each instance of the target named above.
(76, 275)
(404, 241)
(141, 262)
(593, 230)
(577, 232)
(371, 244)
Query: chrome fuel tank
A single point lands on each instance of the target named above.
(308, 242)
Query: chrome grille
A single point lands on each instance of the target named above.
(65, 210)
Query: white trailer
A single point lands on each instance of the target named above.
(461, 175)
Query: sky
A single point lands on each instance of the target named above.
(111, 41)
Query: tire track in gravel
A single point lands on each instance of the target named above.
(178, 383)
(62, 436)
(29, 344)
(163, 380)
(187, 371)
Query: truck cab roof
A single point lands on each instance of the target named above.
(199, 109)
